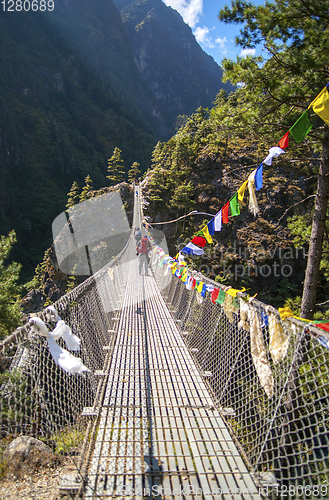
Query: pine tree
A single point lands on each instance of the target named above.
(115, 167)
(158, 154)
(278, 88)
(39, 273)
(134, 172)
(73, 195)
(86, 192)
(182, 197)
(10, 314)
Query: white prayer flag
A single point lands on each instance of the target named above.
(218, 221)
(273, 152)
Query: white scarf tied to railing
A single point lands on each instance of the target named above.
(62, 357)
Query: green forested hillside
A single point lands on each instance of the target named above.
(201, 168)
(70, 92)
(58, 123)
(282, 95)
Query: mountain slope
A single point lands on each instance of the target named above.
(58, 123)
(180, 74)
(94, 30)
(70, 92)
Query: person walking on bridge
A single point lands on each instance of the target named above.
(137, 235)
(142, 250)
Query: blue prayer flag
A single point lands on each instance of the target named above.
(259, 177)
(211, 227)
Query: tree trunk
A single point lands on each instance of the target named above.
(317, 234)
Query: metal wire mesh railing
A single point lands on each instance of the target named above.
(37, 396)
(269, 377)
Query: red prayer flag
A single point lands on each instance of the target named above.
(225, 213)
(193, 283)
(324, 326)
(284, 142)
(200, 241)
(214, 295)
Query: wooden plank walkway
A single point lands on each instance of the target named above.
(159, 435)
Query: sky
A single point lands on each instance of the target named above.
(215, 37)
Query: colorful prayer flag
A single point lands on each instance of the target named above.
(321, 324)
(218, 221)
(320, 105)
(323, 341)
(200, 241)
(234, 291)
(191, 249)
(189, 283)
(284, 142)
(221, 297)
(234, 205)
(206, 234)
(253, 205)
(301, 127)
(259, 177)
(285, 312)
(211, 227)
(214, 295)
(273, 152)
(184, 278)
(241, 190)
(225, 213)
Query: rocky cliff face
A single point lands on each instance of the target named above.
(179, 73)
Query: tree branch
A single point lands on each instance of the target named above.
(295, 204)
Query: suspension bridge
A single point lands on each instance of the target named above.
(185, 396)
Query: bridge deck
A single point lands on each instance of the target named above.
(159, 435)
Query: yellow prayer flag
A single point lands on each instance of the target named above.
(206, 234)
(200, 286)
(320, 105)
(234, 291)
(241, 190)
(285, 312)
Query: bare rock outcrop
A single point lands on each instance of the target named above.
(25, 454)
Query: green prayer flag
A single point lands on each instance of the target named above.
(301, 128)
(234, 205)
(235, 302)
(221, 297)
